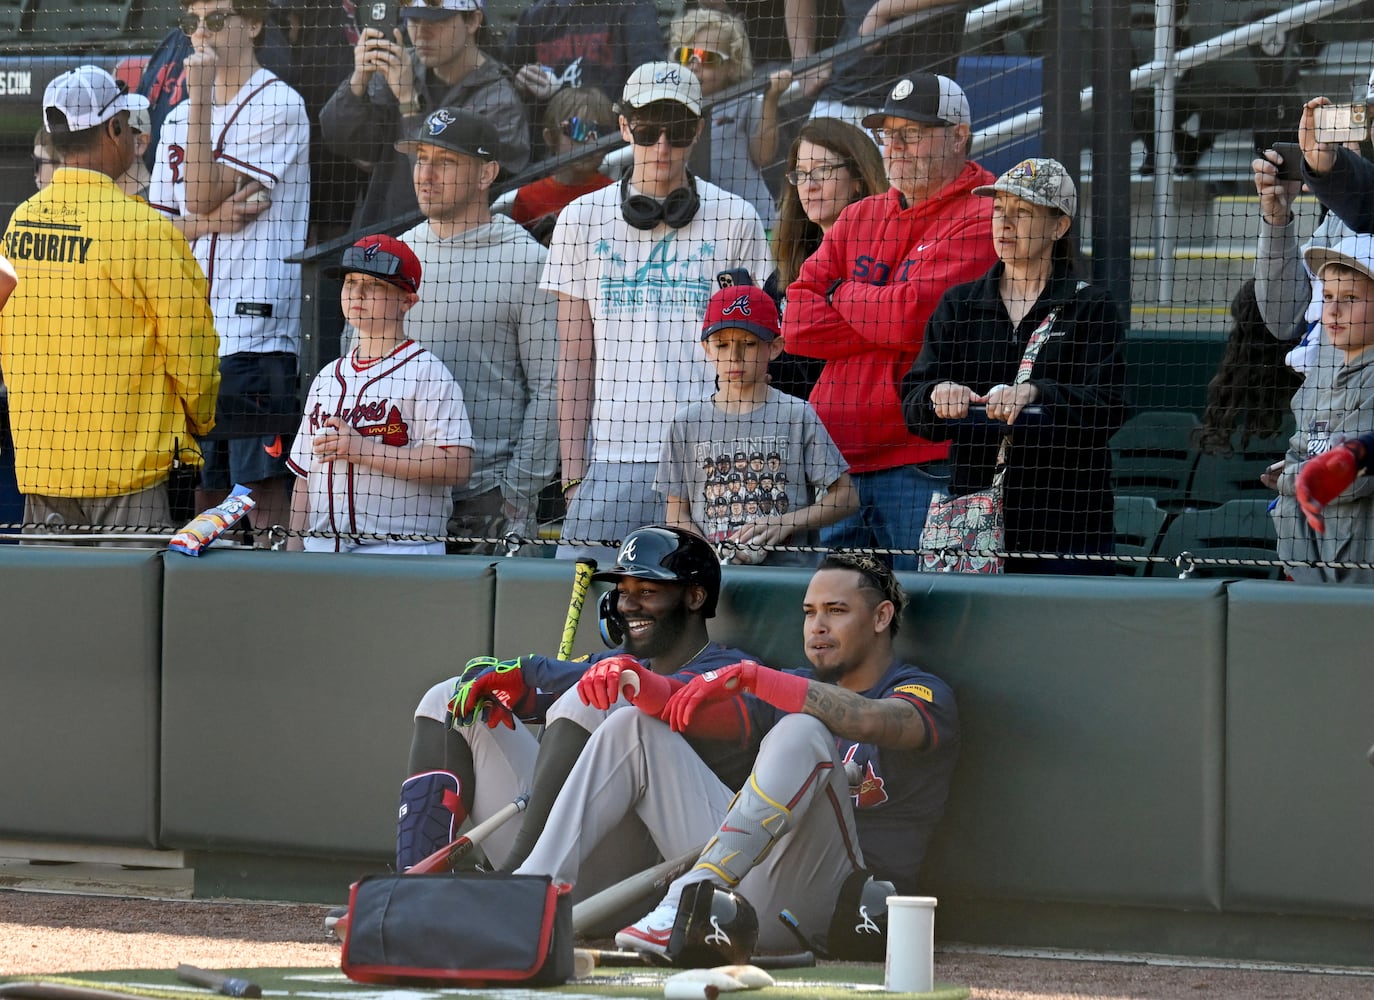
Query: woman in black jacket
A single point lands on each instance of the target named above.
(963, 387)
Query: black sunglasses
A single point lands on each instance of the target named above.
(214, 23)
(681, 132)
(375, 262)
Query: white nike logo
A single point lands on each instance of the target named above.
(922, 247)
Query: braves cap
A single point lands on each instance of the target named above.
(662, 81)
(87, 96)
(1040, 181)
(457, 129)
(1354, 252)
(742, 307)
(924, 97)
(383, 257)
(438, 10)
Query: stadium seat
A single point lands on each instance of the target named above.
(12, 16)
(1137, 523)
(72, 19)
(1221, 478)
(1238, 529)
(1153, 456)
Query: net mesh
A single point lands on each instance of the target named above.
(572, 364)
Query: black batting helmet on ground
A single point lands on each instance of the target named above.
(659, 552)
(714, 926)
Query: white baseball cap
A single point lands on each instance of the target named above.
(88, 96)
(662, 81)
(1354, 252)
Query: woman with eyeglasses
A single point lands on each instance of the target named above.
(1030, 351)
(830, 165)
(744, 131)
(576, 117)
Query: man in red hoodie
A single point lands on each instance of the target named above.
(863, 298)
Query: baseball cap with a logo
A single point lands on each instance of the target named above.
(662, 81)
(924, 97)
(438, 10)
(742, 307)
(383, 257)
(1040, 181)
(456, 129)
(86, 97)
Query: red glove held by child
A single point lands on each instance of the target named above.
(785, 691)
(1324, 477)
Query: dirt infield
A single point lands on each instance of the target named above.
(53, 933)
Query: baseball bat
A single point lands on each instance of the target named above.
(230, 986)
(609, 901)
(447, 856)
(582, 581)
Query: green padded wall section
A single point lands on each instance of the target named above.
(79, 687)
(1299, 789)
(532, 604)
(289, 732)
(1091, 713)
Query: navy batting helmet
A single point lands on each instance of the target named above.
(663, 553)
(714, 926)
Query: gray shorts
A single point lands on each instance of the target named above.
(145, 510)
(613, 499)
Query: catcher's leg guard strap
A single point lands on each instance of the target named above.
(751, 828)
(430, 813)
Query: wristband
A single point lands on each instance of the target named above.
(570, 483)
(784, 691)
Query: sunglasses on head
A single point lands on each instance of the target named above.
(584, 129)
(681, 132)
(687, 54)
(213, 22)
(377, 263)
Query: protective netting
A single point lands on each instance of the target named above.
(1065, 228)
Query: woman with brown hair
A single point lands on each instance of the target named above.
(830, 165)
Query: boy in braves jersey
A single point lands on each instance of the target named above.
(852, 774)
(232, 170)
(385, 436)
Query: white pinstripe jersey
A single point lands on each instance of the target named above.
(262, 134)
(405, 399)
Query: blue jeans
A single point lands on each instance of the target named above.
(892, 511)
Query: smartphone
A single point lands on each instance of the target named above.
(384, 15)
(1342, 122)
(1291, 167)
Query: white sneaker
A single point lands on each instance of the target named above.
(650, 933)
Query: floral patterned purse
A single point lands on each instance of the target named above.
(966, 534)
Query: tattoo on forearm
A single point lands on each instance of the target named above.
(887, 722)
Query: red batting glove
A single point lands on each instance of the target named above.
(502, 687)
(785, 691)
(600, 686)
(1324, 477)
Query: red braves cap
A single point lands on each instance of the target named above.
(383, 257)
(742, 307)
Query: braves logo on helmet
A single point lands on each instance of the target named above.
(717, 935)
(739, 307)
(866, 924)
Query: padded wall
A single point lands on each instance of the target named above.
(288, 733)
(79, 690)
(1299, 788)
(1091, 711)
(532, 604)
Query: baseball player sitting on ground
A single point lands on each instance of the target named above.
(852, 775)
(667, 583)
(385, 436)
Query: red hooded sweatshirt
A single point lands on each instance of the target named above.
(884, 266)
